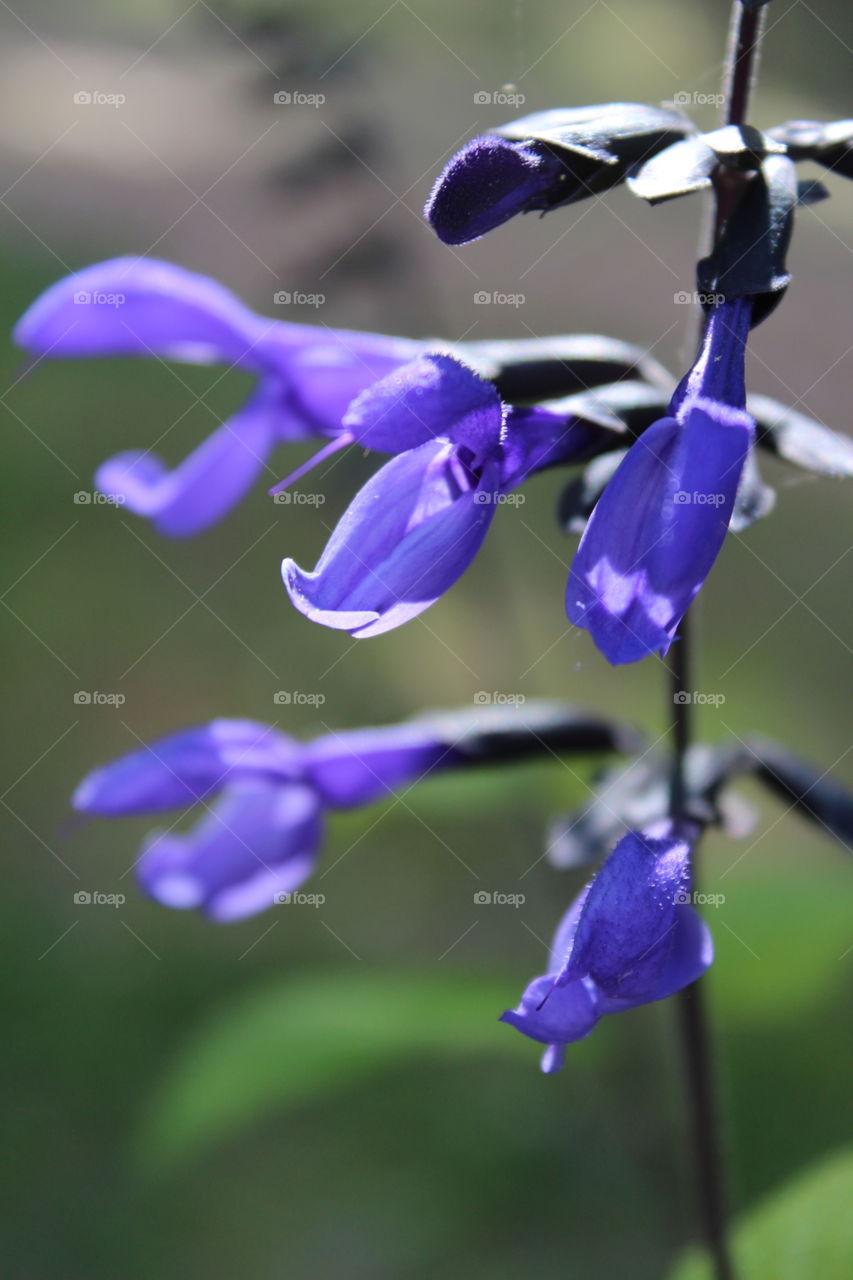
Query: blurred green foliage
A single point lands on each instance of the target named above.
(803, 1230)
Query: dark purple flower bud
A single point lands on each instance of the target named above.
(489, 182)
(660, 523)
(630, 938)
(544, 160)
(307, 376)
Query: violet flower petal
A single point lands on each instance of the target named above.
(187, 766)
(141, 307)
(434, 395)
(137, 306)
(363, 765)
(260, 840)
(662, 519)
(718, 371)
(554, 1015)
(404, 540)
(690, 954)
(331, 367)
(625, 930)
(657, 530)
(208, 483)
(537, 438)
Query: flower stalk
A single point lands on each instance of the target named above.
(745, 32)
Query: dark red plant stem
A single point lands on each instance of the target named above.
(744, 42)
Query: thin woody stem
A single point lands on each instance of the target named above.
(744, 42)
(745, 35)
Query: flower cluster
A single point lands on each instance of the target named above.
(463, 427)
(458, 449)
(630, 938)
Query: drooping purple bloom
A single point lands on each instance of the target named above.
(259, 841)
(630, 938)
(264, 796)
(417, 524)
(306, 376)
(488, 182)
(545, 160)
(660, 523)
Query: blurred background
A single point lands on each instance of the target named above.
(326, 1091)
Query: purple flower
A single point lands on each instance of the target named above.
(415, 527)
(488, 182)
(660, 523)
(544, 160)
(306, 376)
(631, 937)
(264, 796)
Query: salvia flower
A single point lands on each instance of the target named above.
(630, 938)
(306, 376)
(545, 160)
(661, 521)
(263, 795)
(487, 183)
(417, 524)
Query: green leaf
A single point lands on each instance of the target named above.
(779, 938)
(803, 1231)
(292, 1042)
